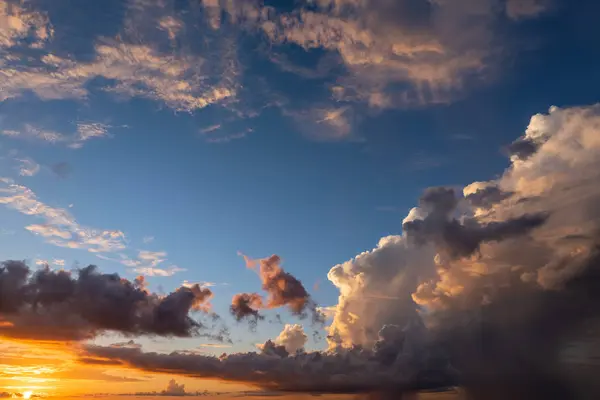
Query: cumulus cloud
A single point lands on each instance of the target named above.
(174, 389)
(292, 338)
(422, 308)
(55, 305)
(282, 288)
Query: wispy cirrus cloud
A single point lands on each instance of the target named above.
(28, 167)
(83, 133)
(59, 227)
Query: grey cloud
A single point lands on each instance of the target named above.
(54, 305)
(487, 196)
(282, 288)
(522, 148)
(458, 239)
(353, 371)
(246, 305)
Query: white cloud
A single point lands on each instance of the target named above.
(201, 284)
(60, 227)
(151, 271)
(292, 337)
(210, 128)
(58, 262)
(28, 167)
(84, 132)
(18, 24)
(558, 178)
(171, 25)
(148, 239)
(49, 231)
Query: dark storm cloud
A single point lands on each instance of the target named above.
(55, 305)
(461, 238)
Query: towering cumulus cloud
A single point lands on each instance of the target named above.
(489, 288)
(54, 305)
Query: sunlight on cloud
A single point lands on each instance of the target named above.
(85, 132)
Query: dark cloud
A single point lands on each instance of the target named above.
(54, 305)
(487, 196)
(282, 288)
(522, 148)
(355, 370)
(461, 238)
(246, 305)
(62, 169)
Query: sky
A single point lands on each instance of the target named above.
(259, 175)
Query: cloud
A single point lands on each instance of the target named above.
(61, 169)
(174, 389)
(230, 137)
(394, 53)
(60, 227)
(49, 231)
(148, 239)
(53, 305)
(87, 131)
(84, 132)
(163, 272)
(210, 129)
(282, 289)
(22, 26)
(246, 305)
(523, 9)
(292, 338)
(490, 286)
(28, 167)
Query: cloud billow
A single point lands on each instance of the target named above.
(55, 305)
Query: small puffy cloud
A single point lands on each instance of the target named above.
(174, 389)
(58, 262)
(292, 337)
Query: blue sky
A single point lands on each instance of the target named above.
(183, 134)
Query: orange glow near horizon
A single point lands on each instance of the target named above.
(53, 369)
